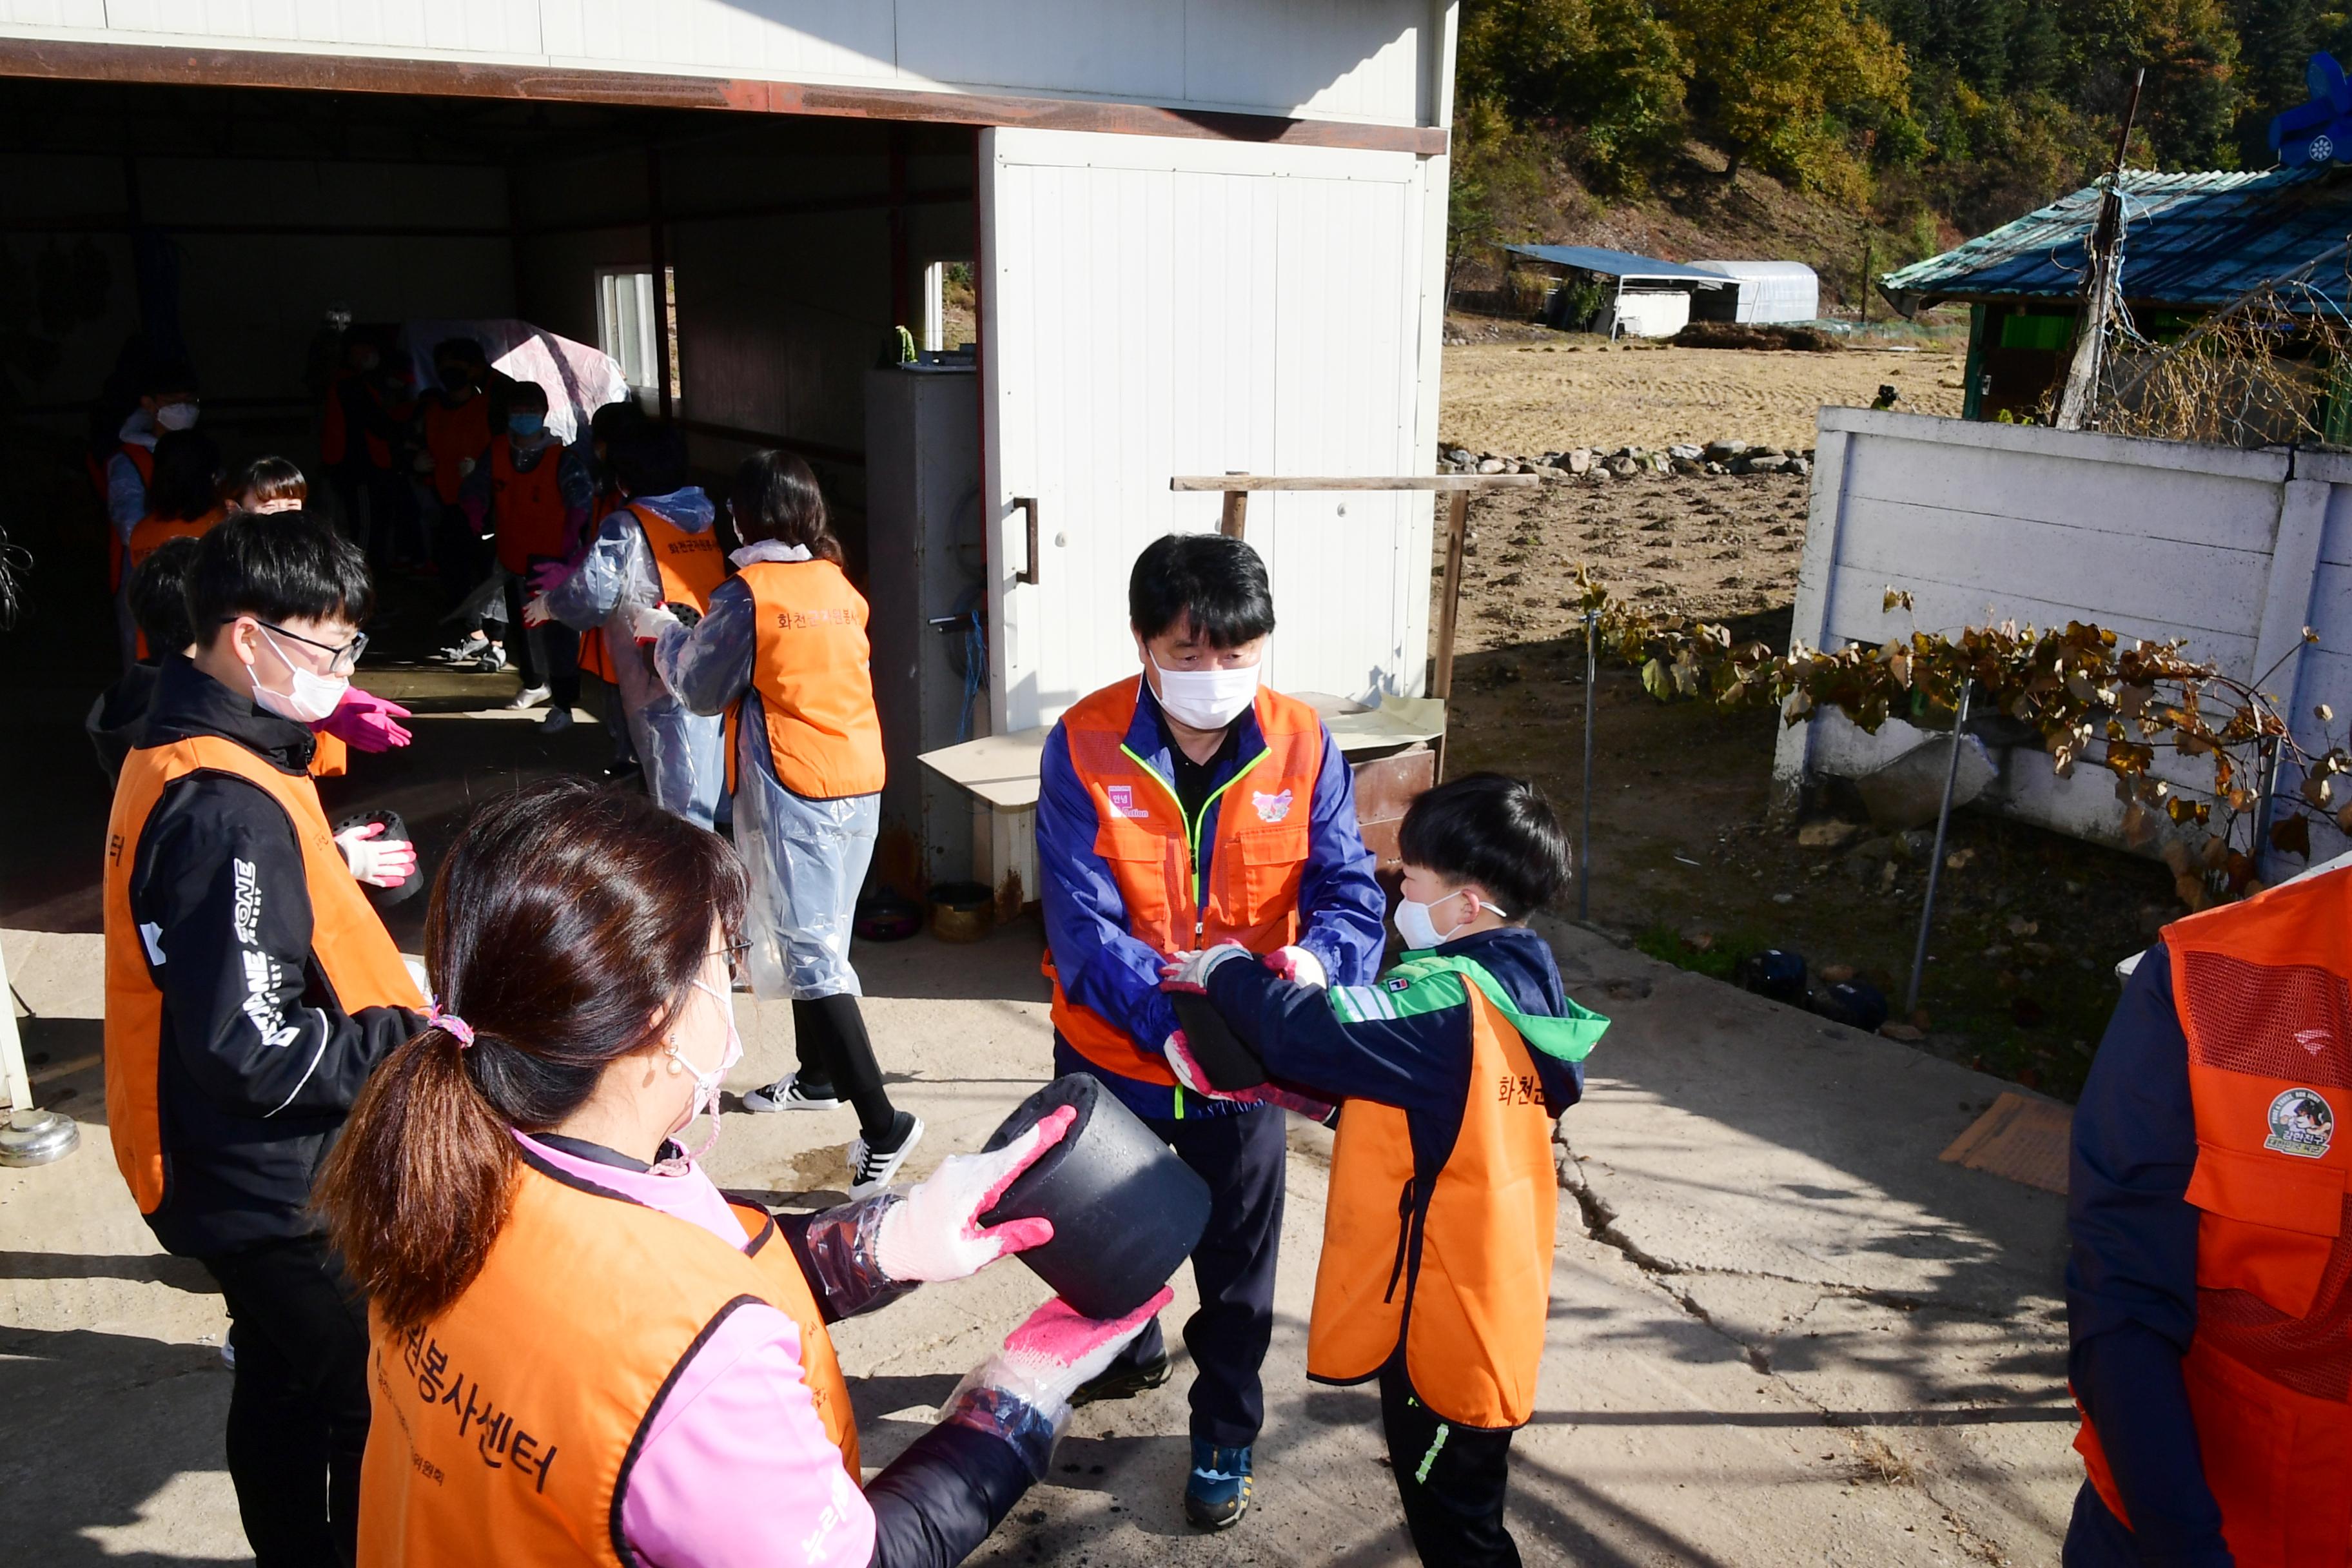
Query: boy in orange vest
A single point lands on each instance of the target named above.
(250, 990)
(1452, 1068)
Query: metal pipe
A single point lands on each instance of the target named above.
(1935, 861)
(1584, 838)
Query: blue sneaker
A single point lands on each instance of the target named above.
(1217, 1493)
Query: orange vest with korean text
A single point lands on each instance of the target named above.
(1256, 863)
(526, 505)
(1468, 1292)
(691, 563)
(451, 436)
(809, 667)
(514, 1417)
(354, 951)
(2263, 990)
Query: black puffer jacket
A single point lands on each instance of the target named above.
(259, 1066)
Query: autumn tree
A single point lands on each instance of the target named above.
(1802, 87)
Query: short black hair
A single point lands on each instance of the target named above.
(1216, 584)
(276, 567)
(649, 458)
(1497, 832)
(167, 375)
(185, 481)
(159, 596)
(615, 418)
(530, 393)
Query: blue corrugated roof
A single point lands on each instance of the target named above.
(2188, 239)
(1618, 263)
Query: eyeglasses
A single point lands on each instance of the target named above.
(733, 952)
(341, 661)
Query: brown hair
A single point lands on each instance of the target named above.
(567, 924)
(271, 478)
(775, 496)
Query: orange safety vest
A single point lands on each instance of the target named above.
(690, 564)
(151, 531)
(514, 1417)
(452, 434)
(331, 755)
(1257, 862)
(1463, 1282)
(595, 658)
(809, 668)
(527, 505)
(2261, 989)
(349, 943)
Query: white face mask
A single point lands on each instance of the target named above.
(176, 415)
(313, 698)
(706, 1085)
(1206, 698)
(1420, 932)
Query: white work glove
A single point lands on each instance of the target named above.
(1299, 966)
(1050, 1357)
(378, 861)
(1190, 970)
(465, 466)
(649, 621)
(935, 1233)
(535, 611)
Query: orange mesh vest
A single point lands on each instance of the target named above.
(1469, 1291)
(354, 951)
(152, 530)
(1256, 863)
(330, 756)
(689, 563)
(453, 435)
(514, 1417)
(809, 667)
(2263, 990)
(529, 505)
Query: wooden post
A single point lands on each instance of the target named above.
(1457, 528)
(2102, 285)
(1233, 521)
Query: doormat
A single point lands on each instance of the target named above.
(2024, 1140)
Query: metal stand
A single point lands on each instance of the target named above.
(29, 1137)
(1936, 862)
(1584, 839)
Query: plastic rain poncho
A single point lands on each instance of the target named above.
(683, 753)
(808, 859)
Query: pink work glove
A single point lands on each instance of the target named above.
(1049, 1357)
(935, 1233)
(378, 861)
(547, 576)
(365, 721)
(1190, 970)
(1299, 966)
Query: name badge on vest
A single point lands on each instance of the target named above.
(1121, 798)
(2301, 1124)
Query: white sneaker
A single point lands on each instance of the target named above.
(786, 1094)
(529, 697)
(558, 720)
(870, 1170)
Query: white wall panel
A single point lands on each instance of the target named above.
(1372, 60)
(1162, 307)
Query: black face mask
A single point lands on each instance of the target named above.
(454, 377)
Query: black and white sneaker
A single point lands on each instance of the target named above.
(790, 1093)
(465, 652)
(871, 1168)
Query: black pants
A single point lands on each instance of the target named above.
(830, 1039)
(1451, 1480)
(546, 654)
(297, 1419)
(1241, 1157)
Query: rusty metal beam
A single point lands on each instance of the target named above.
(167, 65)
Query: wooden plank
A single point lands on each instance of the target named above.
(2083, 446)
(1232, 518)
(1446, 483)
(1457, 529)
(158, 63)
(2024, 1141)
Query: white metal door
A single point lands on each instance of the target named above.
(1154, 307)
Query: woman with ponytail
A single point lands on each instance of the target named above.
(581, 1350)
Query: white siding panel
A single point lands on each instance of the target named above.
(821, 39)
(1342, 59)
(1159, 308)
(53, 13)
(1132, 49)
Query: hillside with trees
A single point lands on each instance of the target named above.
(1813, 129)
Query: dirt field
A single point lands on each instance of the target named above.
(1685, 863)
(1580, 391)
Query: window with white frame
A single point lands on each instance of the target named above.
(630, 323)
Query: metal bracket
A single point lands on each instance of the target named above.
(1028, 504)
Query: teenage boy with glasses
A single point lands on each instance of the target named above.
(250, 989)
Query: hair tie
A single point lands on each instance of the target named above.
(457, 1027)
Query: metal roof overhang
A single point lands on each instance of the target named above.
(1623, 265)
(166, 65)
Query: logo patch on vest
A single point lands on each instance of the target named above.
(2314, 1041)
(1270, 807)
(1122, 801)
(2301, 1124)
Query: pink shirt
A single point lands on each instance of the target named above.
(738, 1425)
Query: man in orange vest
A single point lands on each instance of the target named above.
(530, 493)
(167, 402)
(2209, 1287)
(1188, 807)
(250, 988)
(1454, 1068)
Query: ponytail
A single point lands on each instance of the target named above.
(564, 926)
(419, 1185)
